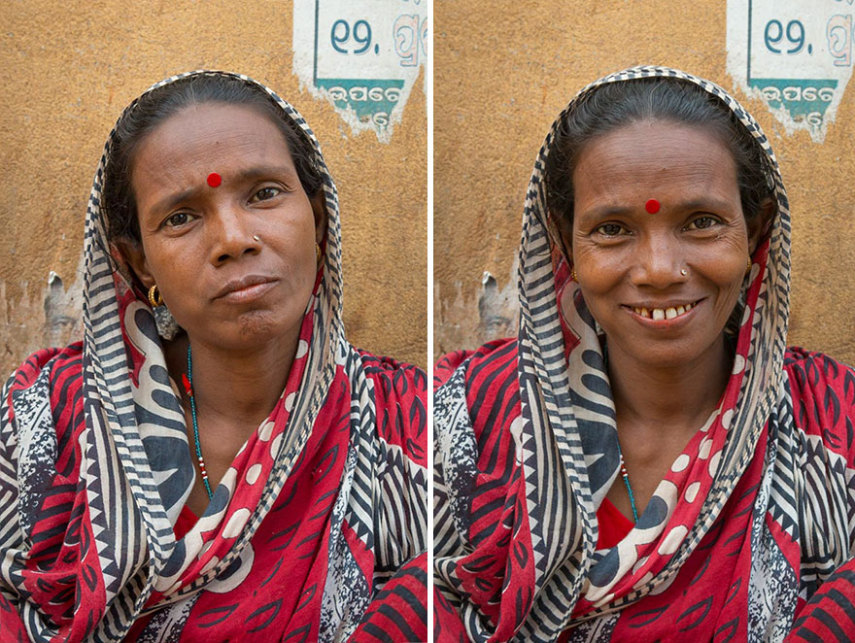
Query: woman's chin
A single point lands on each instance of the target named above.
(675, 355)
(257, 326)
(247, 331)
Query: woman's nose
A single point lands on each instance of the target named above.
(231, 234)
(658, 262)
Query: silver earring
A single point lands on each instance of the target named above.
(167, 327)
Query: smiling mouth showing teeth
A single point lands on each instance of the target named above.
(663, 313)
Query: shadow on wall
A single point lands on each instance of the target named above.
(49, 317)
(498, 314)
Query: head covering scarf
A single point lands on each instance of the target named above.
(735, 522)
(345, 439)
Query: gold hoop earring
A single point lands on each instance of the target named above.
(318, 253)
(154, 297)
(748, 267)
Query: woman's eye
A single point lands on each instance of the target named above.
(610, 229)
(177, 220)
(702, 223)
(265, 193)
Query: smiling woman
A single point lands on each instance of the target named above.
(646, 460)
(215, 458)
(636, 269)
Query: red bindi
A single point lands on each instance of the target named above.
(652, 206)
(214, 179)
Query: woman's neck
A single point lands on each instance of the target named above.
(234, 391)
(240, 387)
(671, 398)
(658, 410)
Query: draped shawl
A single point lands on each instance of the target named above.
(318, 528)
(750, 521)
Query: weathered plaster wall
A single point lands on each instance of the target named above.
(71, 67)
(504, 73)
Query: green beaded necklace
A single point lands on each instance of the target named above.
(187, 379)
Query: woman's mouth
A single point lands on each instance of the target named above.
(246, 289)
(659, 314)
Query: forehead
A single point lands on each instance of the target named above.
(199, 130)
(653, 157)
(178, 155)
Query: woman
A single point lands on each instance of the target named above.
(214, 461)
(646, 460)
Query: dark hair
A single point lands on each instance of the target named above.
(615, 105)
(118, 199)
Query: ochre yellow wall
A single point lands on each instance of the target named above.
(70, 68)
(504, 71)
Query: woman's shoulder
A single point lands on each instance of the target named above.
(499, 354)
(54, 363)
(400, 399)
(488, 380)
(796, 355)
(394, 376)
(823, 396)
(809, 370)
(51, 376)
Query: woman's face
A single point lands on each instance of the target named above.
(234, 263)
(629, 261)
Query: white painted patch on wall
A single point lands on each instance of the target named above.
(361, 55)
(794, 54)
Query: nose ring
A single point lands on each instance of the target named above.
(256, 238)
(684, 272)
